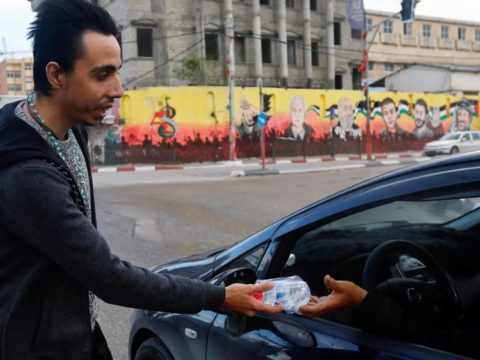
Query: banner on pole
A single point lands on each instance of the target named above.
(356, 14)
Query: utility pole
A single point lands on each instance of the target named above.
(229, 28)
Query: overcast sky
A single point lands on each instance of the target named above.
(15, 16)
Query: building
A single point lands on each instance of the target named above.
(294, 43)
(425, 41)
(434, 79)
(16, 76)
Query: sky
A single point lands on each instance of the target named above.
(16, 15)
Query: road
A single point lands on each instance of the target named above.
(152, 218)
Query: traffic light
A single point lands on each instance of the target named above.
(408, 10)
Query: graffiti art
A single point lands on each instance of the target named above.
(163, 118)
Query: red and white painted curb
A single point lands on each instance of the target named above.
(384, 159)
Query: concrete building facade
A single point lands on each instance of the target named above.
(425, 41)
(16, 76)
(294, 43)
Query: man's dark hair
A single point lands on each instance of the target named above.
(387, 101)
(423, 103)
(57, 35)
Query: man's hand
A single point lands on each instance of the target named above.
(345, 294)
(240, 298)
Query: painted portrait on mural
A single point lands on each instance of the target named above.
(346, 129)
(392, 131)
(435, 122)
(420, 114)
(246, 120)
(298, 129)
(462, 120)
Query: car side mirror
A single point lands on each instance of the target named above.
(234, 276)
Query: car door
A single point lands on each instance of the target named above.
(476, 140)
(465, 143)
(283, 336)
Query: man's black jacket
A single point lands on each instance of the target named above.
(51, 255)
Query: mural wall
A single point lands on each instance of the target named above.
(190, 124)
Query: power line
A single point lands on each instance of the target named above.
(166, 37)
(168, 60)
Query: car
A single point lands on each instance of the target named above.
(424, 214)
(454, 143)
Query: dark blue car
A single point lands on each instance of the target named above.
(424, 214)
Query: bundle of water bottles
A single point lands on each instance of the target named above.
(290, 293)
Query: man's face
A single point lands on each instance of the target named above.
(248, 117)
(420, 115)
(389, 115)
(435, 117)
(90, 89)
(345, 113)
(297, 113)
(463, 119)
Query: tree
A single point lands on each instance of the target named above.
(193, 69)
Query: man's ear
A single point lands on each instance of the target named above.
(55, 75)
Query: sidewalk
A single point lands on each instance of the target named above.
(378, 159)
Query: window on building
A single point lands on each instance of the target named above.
(356, 80)
(28, 67)
(370, 66)
(356, 34)
(289, 4)
(18, 74)
(337, 33)
(338, 82)
(462, 33)
(388, 67)
(444, 32)
(11, 87)
(291, 52)
(10, 74)
(211, 46)
(407, 29)
(388, 27)
(427, 30)
(477, 35)
(145, 42)
(18, 88)
(369, 23)
(315, 54)
(313, 5)
(266, 51)
(240, 54)
(29, 80)
(264, 2)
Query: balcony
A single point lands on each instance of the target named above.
(428, 42)
(464, 45)
(389, 39)
(446, 44)
(476, 46)
(409, 40)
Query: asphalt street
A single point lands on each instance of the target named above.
(152, 218)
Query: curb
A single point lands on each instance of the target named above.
(404, 160)
(240, 163)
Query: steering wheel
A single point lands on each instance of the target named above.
(410, 275)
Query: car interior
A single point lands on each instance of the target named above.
(364, 248)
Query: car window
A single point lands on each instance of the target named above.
(451, 137)
(466, 137)
(249, 260)
(341, 247)
(476, 136)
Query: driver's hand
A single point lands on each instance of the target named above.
(345, 294)
(240, 298)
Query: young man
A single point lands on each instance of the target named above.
(392, 132)
(54, 261)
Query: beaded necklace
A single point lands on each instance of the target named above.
(53, 138)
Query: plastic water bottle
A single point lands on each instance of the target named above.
(291, 293)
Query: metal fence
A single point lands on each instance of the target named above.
(116, 154)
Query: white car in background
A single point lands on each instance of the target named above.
(454, 143)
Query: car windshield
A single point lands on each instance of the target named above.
(450, 137)
(407, 214)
